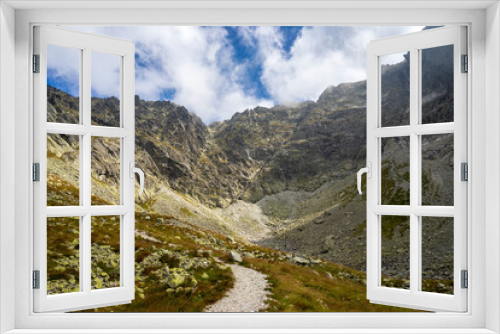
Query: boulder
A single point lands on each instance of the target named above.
(235, 257)
(300, 260)
(175, 280)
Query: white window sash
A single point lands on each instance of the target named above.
(415, 297)
(86, 297)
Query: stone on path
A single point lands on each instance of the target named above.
(236, 257)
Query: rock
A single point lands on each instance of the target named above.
(229, 239)
(204, 276)
(179, 290)
(141, 295)
(329, 276)
(300, 260)
(98, 283)
(234, 256)
(175, 280)
(194, 282)
(187, 265)
(170, 290)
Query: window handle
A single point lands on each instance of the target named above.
(139, 171)
(368, 171)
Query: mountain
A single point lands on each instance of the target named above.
(282, 177)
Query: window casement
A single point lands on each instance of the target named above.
(413, 128)
(49, 216)
(474, 321)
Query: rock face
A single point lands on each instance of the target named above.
(295, 164)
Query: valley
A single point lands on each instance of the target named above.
(276, 185)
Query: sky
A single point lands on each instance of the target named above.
(218, 71)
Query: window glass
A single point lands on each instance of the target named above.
(395, 231)
(63, 255)
(63, 170)
(395, 171)
(395, 89)
(105, 89)
(437, 84)
(437, 254)
(106, 167)
(63, 84)
(105, 252)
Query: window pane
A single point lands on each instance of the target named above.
(395, 89)
(105, 171)
(105, 252)
(105, 88)
(437, 84)
(395, 251)
(437, 170)
(437, 254)
(63, 84)
(395, 171)
(63, 255)
(63, 170)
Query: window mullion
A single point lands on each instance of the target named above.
(85, 185)
(414, 173)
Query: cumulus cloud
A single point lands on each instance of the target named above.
(63, 68)
(195, 64)
(197, 67)
(319, 57)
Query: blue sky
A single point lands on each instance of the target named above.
(217, 71)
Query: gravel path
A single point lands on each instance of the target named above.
(247, 295)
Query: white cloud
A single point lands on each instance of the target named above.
(196, 62)
(319, 57)
(63, 65)
(105, 75)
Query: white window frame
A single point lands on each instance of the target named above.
(483, 211)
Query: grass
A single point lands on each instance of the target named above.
(293, 288)
(296, 288)
(186, 211)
